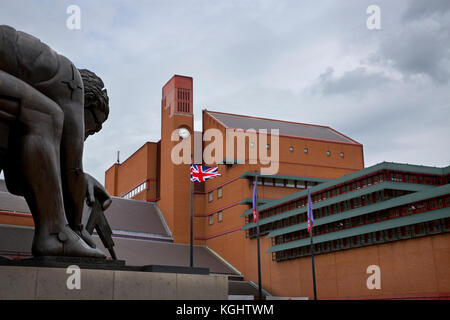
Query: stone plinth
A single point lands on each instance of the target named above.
(36, 283)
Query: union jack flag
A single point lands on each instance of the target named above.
(201, 173)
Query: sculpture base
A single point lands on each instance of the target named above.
(31, 282)
(103, 264)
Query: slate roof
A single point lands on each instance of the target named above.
(124, 215)
(15, 240)
(135, 216)
(12, 203)
(139, 253)
(293, 129)
(139, 231)
(3, 186)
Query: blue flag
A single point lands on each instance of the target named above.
(255, 205)
(310, 212)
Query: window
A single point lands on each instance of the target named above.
(341, 154)
(291, 149)
(305, 150)
(279, 183)
(268, 181)
(300, 184)
(432, 204)
(211, 219)
(219, 193)
(267, 146)
(143, 186)
(290, 183)
(210, 196)
(219, 216)
(328, 153)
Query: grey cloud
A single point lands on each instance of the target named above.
(357, 81)
(418, 44)
(418, 50)
(246, 56)
(419, 9)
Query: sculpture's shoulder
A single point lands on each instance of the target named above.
(26, 57)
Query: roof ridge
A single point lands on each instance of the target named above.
(270, 119)
(338, 136)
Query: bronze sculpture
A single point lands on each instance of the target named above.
(47, 109)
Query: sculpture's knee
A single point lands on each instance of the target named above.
(43, 117)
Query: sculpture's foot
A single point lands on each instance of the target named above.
(64, 243)
(82, 232)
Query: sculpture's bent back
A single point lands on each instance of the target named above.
(47, 109)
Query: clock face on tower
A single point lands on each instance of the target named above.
(184, 133)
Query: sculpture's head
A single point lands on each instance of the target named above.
(96, 102)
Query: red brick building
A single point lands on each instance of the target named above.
(356, 214)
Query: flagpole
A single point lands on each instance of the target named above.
(257, 236)
(313, 270)
(191, 247)
(310, 212)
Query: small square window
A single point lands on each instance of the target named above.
(219, 193)
(268, 181)
(291, 149)
(290, 183)
(328, 153)
(219, 216)
(211, 219)
(305, 150)
(341, 154)
(210, 196)
(279, 182)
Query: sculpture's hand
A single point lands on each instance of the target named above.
(94, 190)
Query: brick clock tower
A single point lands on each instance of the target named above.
(176, 113)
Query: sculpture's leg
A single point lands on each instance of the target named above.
(33, 160)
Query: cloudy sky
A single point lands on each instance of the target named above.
(314, 62)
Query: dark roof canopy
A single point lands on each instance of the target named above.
(3, 186)
(139, 231)
(135, 216)
(16, 241)
(12, 203)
